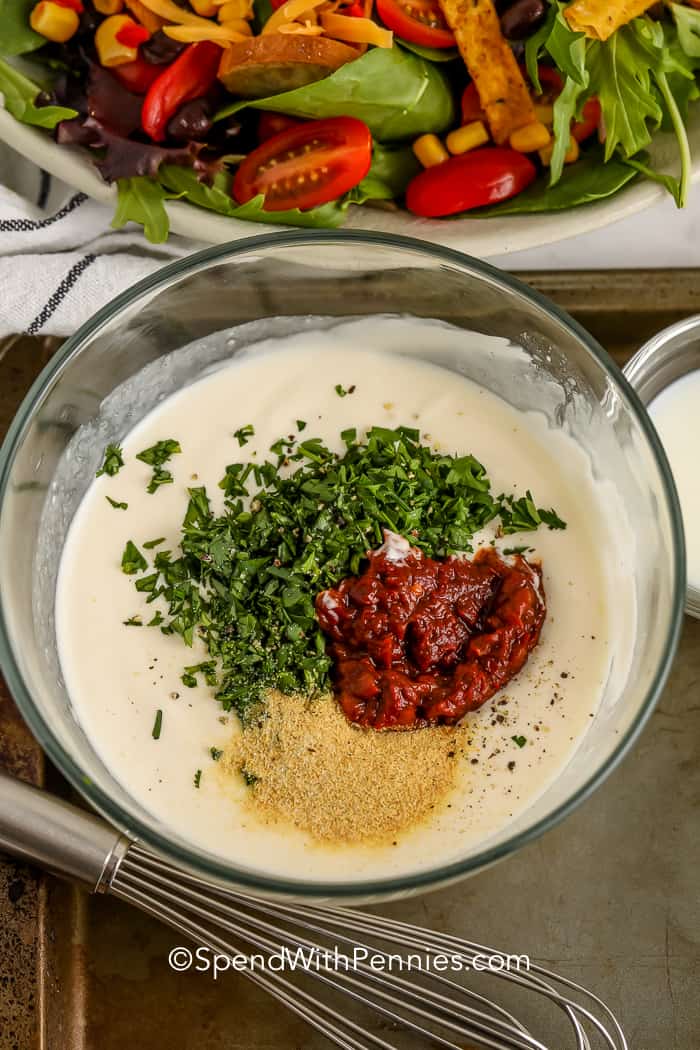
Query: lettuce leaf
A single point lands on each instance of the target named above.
(566, 48)
(16, 35)
(183, 183)
(432, 54)
(569, 51)
(392, 169)
(687, 21)
(585, 182)
(643, 75)
(20, 93)
(621, 76)
(141, 199)
(396, 93)
(535, 45)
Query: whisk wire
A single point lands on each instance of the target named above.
(203, 912)
(447, 1010)
(398, 932)
(350, 985)
(312, 1010)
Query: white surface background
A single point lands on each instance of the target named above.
(662, 236)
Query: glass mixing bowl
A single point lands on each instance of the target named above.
(562, 373)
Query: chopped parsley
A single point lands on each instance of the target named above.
(133, 621)
(215, 753)
(245, 581)
(522, 515)
(150, 544)
(198, 778)
(147, 584)
(157, 725)
(507, 550)
(156, 620)
(244, 434)
(521, 741)
(282, 445)
(301, 424)
(113, 461)
(133, 561)
(250, 778)
(155, 457)
(207, 669)
(342, 392)
(117, 504)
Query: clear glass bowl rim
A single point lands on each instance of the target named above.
(220, 871)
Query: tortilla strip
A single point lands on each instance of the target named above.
(599, 19)
(502, 89)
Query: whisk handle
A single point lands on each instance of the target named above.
(44, 830)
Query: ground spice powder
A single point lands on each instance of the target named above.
(307, 765)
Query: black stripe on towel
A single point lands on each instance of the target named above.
(44, 189)
(27, 225)
(59, 295)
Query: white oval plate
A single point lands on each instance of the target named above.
(479, 237)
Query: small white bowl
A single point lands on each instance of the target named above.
(671, 354)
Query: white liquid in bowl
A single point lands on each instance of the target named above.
(676, 415)
(118, 676)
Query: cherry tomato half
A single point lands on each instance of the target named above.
(470, 180)
(552, 84)
(137, 76)
(590, 120)
(132, 35)
(471, 105)
(307, 165)
(271, 124)
(418, 21)
(190, 76)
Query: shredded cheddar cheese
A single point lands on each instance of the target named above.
(142, 14)
(356, 30)
(235, 9)
(289, 12)
(170, 12)
(218, 34)
(300, 29)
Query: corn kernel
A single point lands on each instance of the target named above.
(544, 113)
(467, 137)
(109, 50)
(205, 8)
(573, 152)
(235, 9)
(530, 138)
(108, 7)
(430, 151)
(54, 22)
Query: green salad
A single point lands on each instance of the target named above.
(296, 111)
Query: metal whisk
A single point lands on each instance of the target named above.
(352, 954)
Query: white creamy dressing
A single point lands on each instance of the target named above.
(118, 676)
(676, 416)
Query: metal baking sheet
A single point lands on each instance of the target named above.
(609, 898)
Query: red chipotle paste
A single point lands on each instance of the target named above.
(416, 641)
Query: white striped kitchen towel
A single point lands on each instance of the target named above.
(59, 259)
